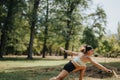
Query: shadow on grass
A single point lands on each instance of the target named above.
(25, 59)
(113, 64)
(30, 73)
(45, 72)
(94, 72)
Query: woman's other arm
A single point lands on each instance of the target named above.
(99, 65)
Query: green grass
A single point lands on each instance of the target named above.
(37, 69)
(35, 73)
(23, 69)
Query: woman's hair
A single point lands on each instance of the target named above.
(86, 48)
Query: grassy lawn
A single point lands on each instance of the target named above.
(18, 68)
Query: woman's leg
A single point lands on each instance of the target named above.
(69, 67)
(62, 75)
(82, 73)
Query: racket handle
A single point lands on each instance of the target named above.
(115, 74)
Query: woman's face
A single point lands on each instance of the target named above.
(90, 52)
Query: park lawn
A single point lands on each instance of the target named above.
(18, 68)
(34, 73)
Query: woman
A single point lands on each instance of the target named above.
(79, 63)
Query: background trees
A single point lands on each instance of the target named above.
(8, 25)
(40, 27)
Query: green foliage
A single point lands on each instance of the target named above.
(104, 47)
(67, 21)
(109, 46)
(89, 38)
(115, 46)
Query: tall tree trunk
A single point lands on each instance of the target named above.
(67, 39)
(3, 42)
(6, 28)
(66, 47)
(50, 50)
(2, 36)
(69, 27)
(32, 33)
(44, 50)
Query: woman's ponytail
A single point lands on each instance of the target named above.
(86, 48)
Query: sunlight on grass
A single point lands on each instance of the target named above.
(42, 69)
(6, 65)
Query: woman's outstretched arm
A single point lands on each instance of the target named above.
(69, 52)
(99, 65)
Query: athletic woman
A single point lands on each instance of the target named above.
(79, 63)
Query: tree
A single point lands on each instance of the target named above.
(11, 23)
(69, 10)
(89, 38)
(113, 42)
(95, 31)
(7, 26)
(2, 12)
(45, 30)
(33, 23)
(46, 23)
(104, 47)
(98, 21)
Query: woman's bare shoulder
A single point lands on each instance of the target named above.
(80, 54)
(89, 58)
